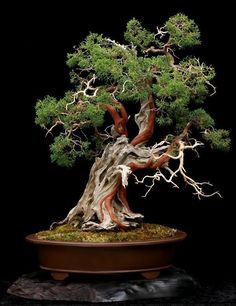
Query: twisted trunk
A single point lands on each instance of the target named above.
(104, 204)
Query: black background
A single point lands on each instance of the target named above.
(36, 192)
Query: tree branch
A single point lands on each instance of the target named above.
(165, 157)
(178, 144)
(166, 50)
(87, 88)
(145, 121)
(122, 110)
(163, 50)
(49, 131)
(197, 186)
(120, 121)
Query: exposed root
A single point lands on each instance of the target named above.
(55, 224)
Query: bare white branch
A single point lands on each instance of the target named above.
(49, 131)
(212, 86)
(160, 32)
(170, 50)
(123, 86)
(200, 69)
(197, 186)
(116, 44)
(88, 87)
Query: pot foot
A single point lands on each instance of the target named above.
(151, 274)
(59, 276)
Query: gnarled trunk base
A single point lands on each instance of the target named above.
(103, 205)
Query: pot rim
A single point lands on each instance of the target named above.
(179, 236)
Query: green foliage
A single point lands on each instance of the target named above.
(178, 92)
(201, 118)
(136, 71)
(108, 69)
(157, 64)
(63, 152)
(137, 35)
(196, 76)
(174, 97)
(46, 111)
(163, 119)
(183, 31)
(172, 88)
(77, 59)
(98, 64)
(103, 97)
(94, 114)
(191, 66)
(72, 60)
(218, 139)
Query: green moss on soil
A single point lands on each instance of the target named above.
(145, 232)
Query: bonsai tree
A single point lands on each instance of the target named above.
(109, 77)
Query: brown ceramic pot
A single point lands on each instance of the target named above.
(146, 257)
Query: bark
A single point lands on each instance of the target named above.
(145, 120)
(104, 204)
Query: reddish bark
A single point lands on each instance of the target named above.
(135, 166)
(123, 197)
(163, 50)
(121, 191)
(160, 162)
(112, 214)
(119, 121)
(111, 194)
(147, 133)
(107, 201)
(122, 110)
(166, 51)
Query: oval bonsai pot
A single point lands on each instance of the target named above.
(146, 257)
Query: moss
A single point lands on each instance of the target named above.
(70, 233)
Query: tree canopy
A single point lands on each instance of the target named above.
(106, 75)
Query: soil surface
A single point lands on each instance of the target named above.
(145, 232)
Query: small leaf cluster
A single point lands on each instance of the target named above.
(219, 139)
(137, 35)
(183, 31)
(179, 93)
(63, 151)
